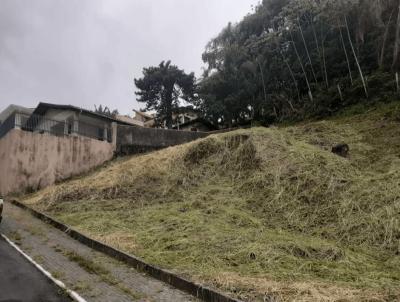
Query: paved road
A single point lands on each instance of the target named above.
(21, 281)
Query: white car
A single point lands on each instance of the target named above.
(1, 208)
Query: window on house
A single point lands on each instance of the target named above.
(100, 134)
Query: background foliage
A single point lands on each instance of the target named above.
(293, 59)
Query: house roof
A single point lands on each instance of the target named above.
(42, 108)
(198, 120)
(129, 120)
(12, 109)
(144, 114)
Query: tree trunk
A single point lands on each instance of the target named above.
(340, 92)
(324, 64)
(302, 67)
(291, 106)
(346, 55)
(168, 105)
(315, 37)
(355, 58)
(253, 109)
(263, 80)
(265, 88)
(320, 54)
(308, 53)
(385, 36)
(291, 74)
(396, 41)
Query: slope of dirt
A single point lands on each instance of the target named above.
(255, 211)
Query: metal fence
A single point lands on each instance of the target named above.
(39, 124)
(36, 123)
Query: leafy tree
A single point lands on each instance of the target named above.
(163, 87)
(294, 58)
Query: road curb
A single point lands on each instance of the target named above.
(72, 294)
(194, 289)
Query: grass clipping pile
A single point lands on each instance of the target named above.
(255, 211)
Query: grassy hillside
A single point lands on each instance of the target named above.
(256, 211)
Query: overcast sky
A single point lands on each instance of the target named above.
(86, 52)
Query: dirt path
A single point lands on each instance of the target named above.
(94, 276)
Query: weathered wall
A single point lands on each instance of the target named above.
(132, 140)
(31, 160)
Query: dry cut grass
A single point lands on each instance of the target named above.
(257, 211)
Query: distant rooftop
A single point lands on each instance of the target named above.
(144, 114)
(42, 108)
(12, 109)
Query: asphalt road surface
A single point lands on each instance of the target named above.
(21, 281)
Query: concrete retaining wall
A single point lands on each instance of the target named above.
(131, 140)
(30, 161)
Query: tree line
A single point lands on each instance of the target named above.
(289, 59)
